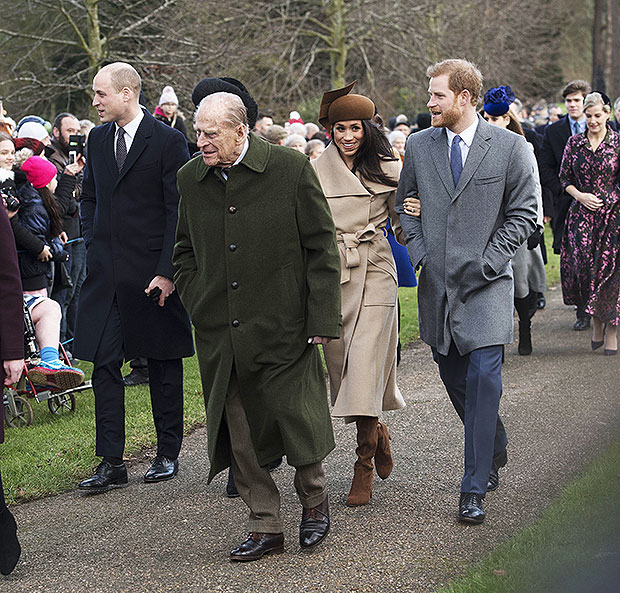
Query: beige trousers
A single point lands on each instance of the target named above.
(254, 483)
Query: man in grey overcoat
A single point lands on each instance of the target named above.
(259, 273)
(477, 195)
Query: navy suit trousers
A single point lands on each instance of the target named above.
(166, 387)
(474, 384)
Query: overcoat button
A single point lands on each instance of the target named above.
(235, 323)
(232, 247)
(235, 285)
(232, 209)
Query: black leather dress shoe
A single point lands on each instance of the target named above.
(470, 508)
(314, 525)
(541, 302)
(136, 377)
(582, 324)
(106, 477)
(499, 461)
(10, 550)
(162, 468)
(258, 545)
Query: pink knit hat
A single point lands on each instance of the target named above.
(39, 171)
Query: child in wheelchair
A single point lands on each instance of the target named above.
(50, 371)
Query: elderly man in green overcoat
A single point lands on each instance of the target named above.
(259, 273)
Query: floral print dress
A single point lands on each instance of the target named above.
(590, 255)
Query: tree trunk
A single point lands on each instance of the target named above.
(598, 46)
(614, 34)
(339, 49)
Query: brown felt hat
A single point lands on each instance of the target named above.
(340, 105)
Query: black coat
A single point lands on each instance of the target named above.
(551, 153)
(11, 303)
(128, 223)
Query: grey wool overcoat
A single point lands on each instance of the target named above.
(258, 271)
(467, 235)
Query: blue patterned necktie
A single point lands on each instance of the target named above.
(121, 149)
(456, 162)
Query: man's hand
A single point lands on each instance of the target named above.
(13, 370)
(164, 284)
(319, 340)
(74, 168)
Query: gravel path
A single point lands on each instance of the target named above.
(560, 407)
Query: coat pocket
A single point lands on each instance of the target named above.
(380, 284)
(488, 180)
(291, 292)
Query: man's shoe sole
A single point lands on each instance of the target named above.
(277, 550)
(159, 479)
(472, 520)
(89, 490)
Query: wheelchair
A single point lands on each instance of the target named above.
(17, 408)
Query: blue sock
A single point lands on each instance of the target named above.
(49, 354)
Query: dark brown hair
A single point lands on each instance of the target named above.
(374, 149)
(576, 86)
(52, 210)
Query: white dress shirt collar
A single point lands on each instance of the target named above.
(467, 138)
(130, 129)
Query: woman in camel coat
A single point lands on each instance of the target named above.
(359, 173)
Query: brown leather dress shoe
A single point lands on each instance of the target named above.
(314, 525)
(258, 545)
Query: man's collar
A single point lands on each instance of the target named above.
(132, 127)
(256, 157)
(246, 145)
(467, 135)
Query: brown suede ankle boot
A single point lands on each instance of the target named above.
(383, 457)
(367, 437)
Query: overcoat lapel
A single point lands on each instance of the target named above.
(138, 145)
(108, 151)
(478, 150)
(439, 150)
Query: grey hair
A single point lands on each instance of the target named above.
(228, 106)
(395, 135)
(595, 99)
(293, 138)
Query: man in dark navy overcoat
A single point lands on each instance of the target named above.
(128, 305)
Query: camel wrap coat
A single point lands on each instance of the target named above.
(258, 271)
(362, 364)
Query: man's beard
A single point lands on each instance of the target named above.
(448, 118)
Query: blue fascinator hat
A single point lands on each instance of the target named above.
(497, 100)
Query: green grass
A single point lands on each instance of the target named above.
(553, 261)
(408, 298)
(576, 541)
(55, 453)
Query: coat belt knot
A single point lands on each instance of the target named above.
(351, 242)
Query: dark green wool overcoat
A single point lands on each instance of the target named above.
(258, 271)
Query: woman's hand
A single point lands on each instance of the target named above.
(45, 255)
(590, 201)
(412, 206)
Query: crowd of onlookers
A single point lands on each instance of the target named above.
(41, 173)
